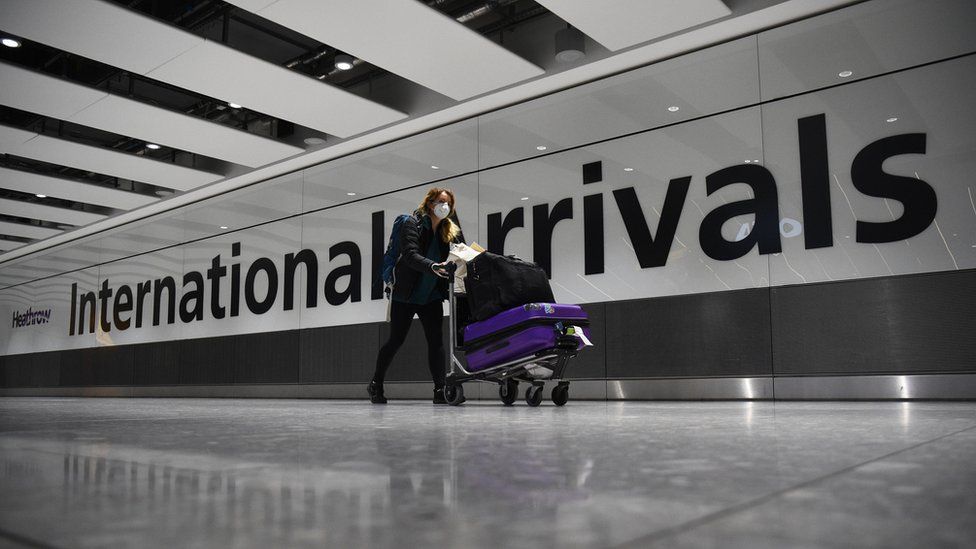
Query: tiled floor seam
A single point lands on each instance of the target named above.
(666, 533)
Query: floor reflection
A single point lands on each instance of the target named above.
(350, 475)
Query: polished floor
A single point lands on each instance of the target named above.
(286, 473)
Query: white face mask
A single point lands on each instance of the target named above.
(442, 209)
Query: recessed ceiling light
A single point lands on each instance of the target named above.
(343, 62)
(152, 146)
(892, 119)
(223, 226)
(314, 140)
(755, 161)
(674, 108)
(570, 45)
(628, 169)
(748, 161)
(541, 148)
(41, 195)
(525, 198)
(350, 194)
(11, 43)
(234, 106)
(845, 74)
(433, 167)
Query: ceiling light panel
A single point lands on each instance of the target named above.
(404, 37)
(98, 30)
(26, 231)
(103, 161)
(68, 189)
(180, 131)
(43, 94)
(618, 24)
(19, 208)
(218, 71)
(13, 137)
(111, 34)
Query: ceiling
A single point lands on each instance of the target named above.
(113, 110)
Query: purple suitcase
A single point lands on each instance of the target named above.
(519, 332)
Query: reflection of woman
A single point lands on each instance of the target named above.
(420, 286)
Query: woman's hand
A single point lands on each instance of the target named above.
(440, 269)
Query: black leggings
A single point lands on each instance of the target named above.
(401, 315)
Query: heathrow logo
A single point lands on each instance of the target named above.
(30, 318)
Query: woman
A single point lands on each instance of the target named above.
(420, 286)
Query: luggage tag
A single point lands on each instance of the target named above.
(578, 332)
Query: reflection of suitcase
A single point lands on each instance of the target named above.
(524, 331)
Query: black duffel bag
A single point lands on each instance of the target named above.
(496, 283)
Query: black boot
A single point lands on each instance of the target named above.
(439, 396)
(375, 391)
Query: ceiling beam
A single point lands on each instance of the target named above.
(102, 160)
(123, 38)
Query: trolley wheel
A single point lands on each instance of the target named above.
(533, 395)
(508, 391)
(560, 395)
(454, 394)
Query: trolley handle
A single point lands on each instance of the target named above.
(451, 267)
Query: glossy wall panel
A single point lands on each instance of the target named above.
(636, 175)
(930, 103)
(276, 198)
(439, 154)
(52, 296)
(338, 354)
(156, 363)
(701, 83)
(247, 269)
(135, 283)
(141, 237)
(723, 334)
(867, 39)
(348, 242)
(894, 325)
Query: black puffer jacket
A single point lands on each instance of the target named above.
(414, 241)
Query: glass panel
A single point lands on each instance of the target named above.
(134, 283)
(867, 39)
(261, 280)
(634, 179)
(142, 236)
(430, 157)
(326, 229)
(690, 86)
(54, 295)
(273, 199)
(933, 101)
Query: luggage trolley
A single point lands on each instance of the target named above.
(560, 338)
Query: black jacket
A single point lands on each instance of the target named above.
(414, 241)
